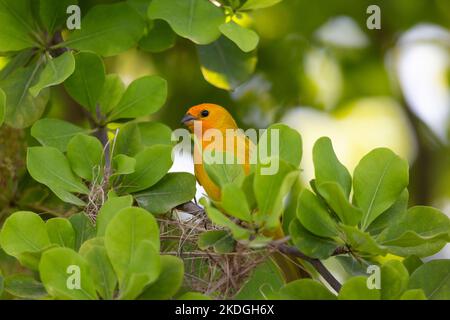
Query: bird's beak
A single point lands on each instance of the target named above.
(187, 119)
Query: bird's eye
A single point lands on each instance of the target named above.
(205, 113)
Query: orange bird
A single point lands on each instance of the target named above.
(213, 116)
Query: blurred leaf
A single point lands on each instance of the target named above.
(49, 166)
(258, 4)
(224, 65)
(220, 240)
(24, 286)
(102, 272)
(84, 229)
(2, 106)
(86, 83)
(356, 289)
(85, 155)
(270, 190)
(314, 215)
(197, 20)
(394, 280)
(143, 96)
(159, 38)
(244, 38)
(54, 132)
(23, 232)
(168, 282)
(154, 133)
(53, 13)
(108, 30)
(413, 294)
(112, 92)
(146, 175)
(55, 72)
(234, 202)
(327, 167)
(53, 270)
(193, 296)
(132, 243)
(378, 180)
(61, 232)
(172, 190)
(433, 278)
(310, 244)
(22, 109)
(306, 289)
(109, 209)
(17, 25)
(123, 164)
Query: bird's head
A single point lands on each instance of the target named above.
(210, 115)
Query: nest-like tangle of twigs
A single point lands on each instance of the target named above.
(220, 275)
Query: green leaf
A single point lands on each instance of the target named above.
(56, 71)
(356, 289)
(61, 232)
(159, 38)
(22, 109)
(2, 106)
(220, 240)
(85, 154)
(433, 278)
(314, 215)
(306, 289)
(378, 180)
(220, 219)
(55, 272)
(411, 263)
(123, 164)
(235, 203)
(22, 232)
(394, 280)
(49, 166)
(109, 209)
(155, 133)
(172, 190)
(310, 244)
(108, 30)
(54, 132)
(413, 294)
(132, 243)
(193, 296)
(113, 90)
(197, 20)
(362, 241)
(224, 65)
(151, 165)
(221, 170)
(128, 140)
(422, 231)
(102, 272)
(287, 143)
(168, 282)
(17, 25)
(258, 4)
(143, 97)
(84, 229)
(53, 13)
(270, 190)
(26, 287)
(327, 167)
(244, 38)
(86, 83)
(338, 201)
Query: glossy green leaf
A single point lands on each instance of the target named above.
(109, 209)
(58, 269)
(24, 286)
(128, 140)
(155, 133)
(306, 289)
(378, 180)
(86, 82)
(159, 38)
(108, 30)
(113, 90)
(61, 232)
(84, 229)
(362, 241)
(54, 132)
(197, 20)
(244, 38)
(172, 190)
(22, 232)
(235, 203)
(433, 278)
(232, 69)
(53, 13)
(85, 155)
(394, 280)
(56, 71)
(356, 289)
(123, 164)
(151, 165)
(221, 170)
(168, 282)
